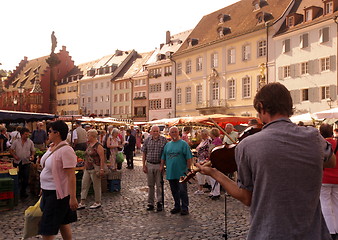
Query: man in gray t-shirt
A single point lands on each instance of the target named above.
(280, 172)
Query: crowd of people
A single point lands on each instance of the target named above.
(287, 173)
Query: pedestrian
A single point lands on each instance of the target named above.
(129, 148)
(202, 155)
(4, 143)
(177, 157)
(113, 143)
(215, 191)
(138, 140)
(329, 190)
(23, 152)
(39, 137)
(279, 172)
(58, 184)
(232, 136)
(81, 142)
(15, 134)
(94, 170)
(152, 149)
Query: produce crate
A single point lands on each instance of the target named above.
(6, 204)
(15, 186)
(6, 184)
(113, 175)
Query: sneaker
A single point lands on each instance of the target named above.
(159, 207)
(199, 192)
(81, 206)
(95, 205)
(150, 207)
(184, 212)
(175, 210)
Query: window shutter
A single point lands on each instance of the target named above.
(313, 66)
(297, 70)
(333, 64)
(333, 92)
(295, 94)
(292, 70)
(325, 33)
(280, 73)
(314, 94)
(305, 40)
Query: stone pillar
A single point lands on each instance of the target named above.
(53, 61)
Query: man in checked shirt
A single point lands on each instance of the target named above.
(152, 150)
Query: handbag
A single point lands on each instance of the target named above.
(119, 157)
(33, 216)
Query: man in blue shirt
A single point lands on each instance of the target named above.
(177, 157)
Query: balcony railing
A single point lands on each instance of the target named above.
(212, 103)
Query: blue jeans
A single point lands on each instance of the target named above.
(180, 194)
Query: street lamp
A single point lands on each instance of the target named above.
(21, 90)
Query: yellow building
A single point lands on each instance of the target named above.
(226, 57)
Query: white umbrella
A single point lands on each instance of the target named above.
(331, 113)
(306, 118)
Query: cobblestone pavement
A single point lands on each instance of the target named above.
(123, 215)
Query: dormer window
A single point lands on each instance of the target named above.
(192, 42)
(223, 18)
(263, 17)
(223, 31)
(258, 4)
(328, 7)
(308, 15)
(290, 21)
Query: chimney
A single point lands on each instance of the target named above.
(167, 37)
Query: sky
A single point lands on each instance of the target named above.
(93, 29)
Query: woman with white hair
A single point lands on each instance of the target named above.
(203, 154)
(94, 169)
(114, 143)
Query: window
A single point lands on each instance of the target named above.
(116, 86)
(304, 40)
(261, 48)
(325, 92)
(231, 89)
(167, 103)
(199, 94)
(155, 104)
(329, 7)
(199, 64)
(214, 60)
(188, 66)
(215, 91)
(286, 71)
(102, 84)
(126, 111)
(305, 94)
(121, 85)
(308, 15)
(127, 84)
(95, 99)
(167, 86)
(155, 87)
(290, 21)
(179, 68)
(246, 87)
(83, 101)
(139, 82)
(179, 95)
(115, 110)
(115, 97)
(188, 95)
(139, 94)
(121, 110)
(232, 56)
(101, 112)
(286, 46)
(107, 98)
(96, 85)
(167, 70)
(107, 111)
(304, 68)
(88, 99)
(324, 64)
(121, 98)
(155, 73)
(127, 97)
(246, 52)
(324, 35)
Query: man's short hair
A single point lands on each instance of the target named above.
(326, 130)
(23, 130)
(128, 131)
(61, 127)
(274, 98)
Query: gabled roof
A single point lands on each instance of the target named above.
(26, 77)
(298, 9)
(134, 66)
(235, 20)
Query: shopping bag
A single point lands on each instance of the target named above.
(119, 157)
(33, 216)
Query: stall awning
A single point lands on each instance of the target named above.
(15, 117)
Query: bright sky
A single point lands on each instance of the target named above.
(91, 29)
